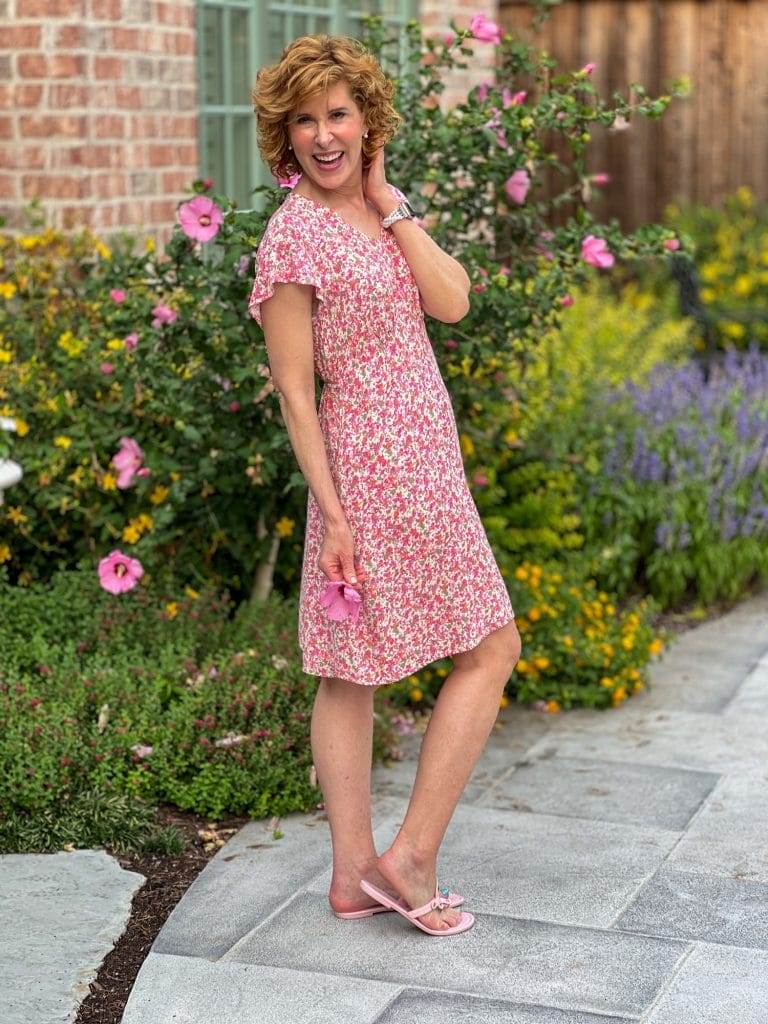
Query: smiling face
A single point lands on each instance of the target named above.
(330, 125)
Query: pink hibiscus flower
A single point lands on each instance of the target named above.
(131, 341)
(127, 461)
(517, 185)
(483, 30)
(595, 251)
(119, 573)
(601, 179)
(200, 218)
(163, 315)
(106, 368)
(341, 601)
(566, 300)
(672, 244)
(117, 295)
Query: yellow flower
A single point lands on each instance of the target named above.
(175, 476)
(708, 294)
(606, 681)
(109, 482)
(568, 641)
(5, 355)
(467, 444)
(534, 614)
(16, 515)
(637, 686)
(191, 592)
(22, 427)
(62, 441)
(172, 609)
(158, 494)
(442, 672)
(742, 286)
(416, 694)
(633, 673)
(521, 573)
(656, 646)
(284, 526)
(72, 346)
(104, 251)
(627, 642)
(609, 609)
(607, 649)
(7, 289)
(115, 344)
(522, 666)
(541, 662)
(5, 553)
(734, 330)
(511, 436)
(619, 694)
(149, 245)
(76, 476)
(131, 534)
(145, 522)
(553, 706)
(504, 702)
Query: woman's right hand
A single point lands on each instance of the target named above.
(337, 558)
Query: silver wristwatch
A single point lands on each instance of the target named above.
(402, 211)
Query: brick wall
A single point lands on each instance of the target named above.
(435, 16)
(98, 112)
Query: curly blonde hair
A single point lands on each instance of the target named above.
(312, 64)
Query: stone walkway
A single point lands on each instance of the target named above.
(617, 864)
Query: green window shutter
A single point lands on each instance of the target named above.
(234, 39)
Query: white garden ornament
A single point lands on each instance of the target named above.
(10, 471)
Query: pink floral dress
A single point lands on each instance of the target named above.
(433, 585)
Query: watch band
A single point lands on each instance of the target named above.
(402, 211)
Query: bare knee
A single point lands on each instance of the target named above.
(496, 654)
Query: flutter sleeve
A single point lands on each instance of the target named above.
(282, 256)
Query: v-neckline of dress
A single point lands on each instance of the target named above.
(335, 213)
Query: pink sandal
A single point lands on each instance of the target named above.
(454, 900)
(438, 902)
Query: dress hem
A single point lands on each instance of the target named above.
(422, 661)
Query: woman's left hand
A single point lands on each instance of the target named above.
(375, 183)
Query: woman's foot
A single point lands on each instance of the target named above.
(345, 894)
(414, 879)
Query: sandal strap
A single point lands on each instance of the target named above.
(438, 902)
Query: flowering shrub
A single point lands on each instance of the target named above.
(148, 695)
(522, 463)
(732, 264)
(678, 501)
(578, 647)
(141, 412)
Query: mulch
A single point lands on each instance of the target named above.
(168, 878)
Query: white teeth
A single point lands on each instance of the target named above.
(327, 159)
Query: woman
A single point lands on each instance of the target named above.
(344, 277)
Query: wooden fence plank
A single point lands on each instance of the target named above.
(705, 146)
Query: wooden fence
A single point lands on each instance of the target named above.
(706, 145)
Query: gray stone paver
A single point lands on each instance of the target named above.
(502, 956)
(716, 984)
(60, 914)
(540, 867)
(616, 863)
(190, 990)
(632, 794)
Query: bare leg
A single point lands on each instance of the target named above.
(461, 721)
(342, 737)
